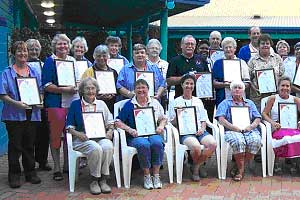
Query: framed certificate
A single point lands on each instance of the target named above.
(116, 64)
(37, 65)
(186, 120)
(80, 67)
(204, 85)
(28, 90)
(94, 125)
(296, 80)
(240, 116)
(144, 121)
(266, 81)
(232, 70)
(147, 76)
(65, 73)
(288, 115)
(106, 81)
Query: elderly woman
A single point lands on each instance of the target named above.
(57, 99)
(41, 145)
(101, 55)
(79, 48)
(285, 140)
(99, 152)
(201, 137)
(283, 49)
(244, 142)
(126, 78)
(221, 86)
(20, 119)
(114, 45)
(264, 59)
(150, 149)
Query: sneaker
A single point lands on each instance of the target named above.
(148, 184)
(104, 187)
(95, 188)
(14, 180)
(156, 182)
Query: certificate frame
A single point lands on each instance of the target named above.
(106, 81)
(65, 72)
(240, 116)
(187, 125)
(296, 80)
(94, 125)
(288, 115)
(80, 66)
(232, 70)
(28, 90)
(263, 75)
(147, 76)
(141, 116)
(116, 63)
(204, 85)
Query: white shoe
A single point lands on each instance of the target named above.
(156, 182)
(148, 184)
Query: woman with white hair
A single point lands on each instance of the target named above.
(244, 142)
(57, 99)
(79, 48)
(101, 55)
(222, 87)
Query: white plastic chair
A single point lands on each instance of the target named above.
(225, 147)
(74, 155)
(128, 152)
(181, 148)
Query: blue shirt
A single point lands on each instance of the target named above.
(126, 76)
(225, 105)
(8, 87)
(218, 75)
(245, 53)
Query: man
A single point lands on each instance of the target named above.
(187, 62)
(215, 50)
(247, 51)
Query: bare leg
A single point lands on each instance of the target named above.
(56, 159)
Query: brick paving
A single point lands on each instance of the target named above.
(252, 187)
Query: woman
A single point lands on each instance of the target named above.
(264, 59)
(114, 45)
(222, 87)
(20, 119)
(57, 99)
(126, 78)
(245, 143)
(150, 149)
(284, 140)
(99, 152)
(283, 49)
(41, 145)
(201, 137)
(101, 55)
(79, 48)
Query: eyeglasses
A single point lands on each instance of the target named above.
(189, 44)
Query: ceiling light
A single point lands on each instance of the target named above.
(49, 13)
(47, 4)
(50, 21)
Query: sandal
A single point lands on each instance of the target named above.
(238, 177)
(57, 176)
(234, 171)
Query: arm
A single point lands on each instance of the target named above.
(202, 128)
(121, 125)
(267, 110)
(173, 80)
(159, 92)
(60, 90)
(228, 125)
(126, 93)
(81, 135)
(219, 85)
(17, 104)
(161, 126)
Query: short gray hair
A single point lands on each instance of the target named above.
(57, 37)
(217, 33)
(154, 41)
(279, 43)
(84, 82)
(31, 42)
(235, 83)
(82, 40)
(187, 36)
(100, 49)
(228, 40)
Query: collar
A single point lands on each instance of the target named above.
(148, 63)
(86, 103)
(252, 48)
(244, 99)
(135, 102)
(258, 56)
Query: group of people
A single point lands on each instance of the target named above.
(31, 128)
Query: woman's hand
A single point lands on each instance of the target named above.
(275, 125)
(105, 96)
(160, 129)
(22, 105)
(82, 136)
(133, 132)
(109, 134)
(248, 129)
(200, 131)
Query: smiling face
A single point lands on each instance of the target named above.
(254, 35)
(282, 49)
(139, 56)
(89, 92)
(113, 49)
(188, 86)
(141, 91)
(214, 41)
(203, 50)
(101, 59)
(264, 47)
(34, 51)
(188, 46)
(229, 50)
(21, 54)
(62, 48)
(297, 52)
(284, 88)
(78, 50)
(237, 91)
(153, 50)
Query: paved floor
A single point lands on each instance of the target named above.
(252, 187)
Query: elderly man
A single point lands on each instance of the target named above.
(215, 51)
(247, 51)
(187, 62)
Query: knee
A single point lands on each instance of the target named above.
(143, 145)
(212, 146)
(157, 145)
(196, 150)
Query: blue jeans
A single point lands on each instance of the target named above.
(150, 151)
